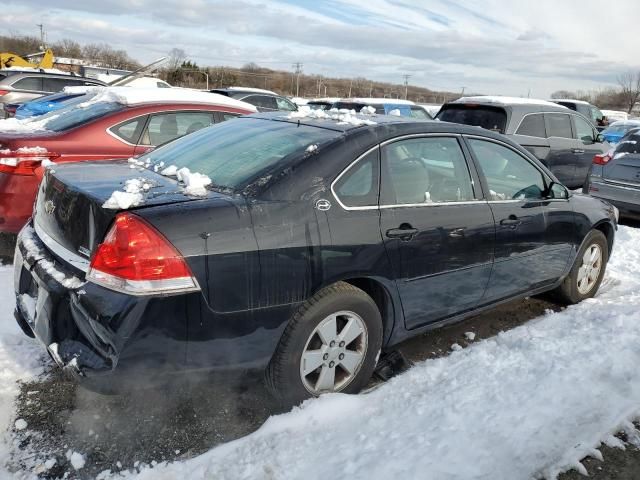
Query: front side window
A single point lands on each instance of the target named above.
(425, 171)
(29, 83)
(532, 126)
(558, 125)
(358, 187)
(584, 130)
(285, 105)
(509, 175)
(165, 127)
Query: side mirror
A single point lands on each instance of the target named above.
(557, 191)
(599, 138)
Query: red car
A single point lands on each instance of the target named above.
(117, 122)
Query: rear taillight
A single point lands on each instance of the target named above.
(24, 161)
(3, 92)
(601, 159)
(135, 258)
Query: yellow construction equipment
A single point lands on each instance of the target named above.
(8, 59)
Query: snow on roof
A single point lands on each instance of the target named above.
(624, 123)
(137, 96)
(378, 101)
(249, 89)
(343, 116)
(500, 100)
(572, 100)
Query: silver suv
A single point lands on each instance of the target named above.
(18, 86)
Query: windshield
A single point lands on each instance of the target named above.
(234, 154)
(491, 118)
(71, 116)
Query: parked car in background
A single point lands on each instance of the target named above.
(320, 104)
(118, 122)
(615, 176)
(593, 113)
(317, 244)
(46, 104)
(263, 100)
(384, 106)
(563, 140)
(432, 108)
(614, 132)
(18, 86)
(615, 115)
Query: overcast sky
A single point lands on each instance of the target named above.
(490, 46)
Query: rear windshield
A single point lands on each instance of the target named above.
(358, 106)
(619, 129)
(237, 153)
(491, 118)
(71, 116)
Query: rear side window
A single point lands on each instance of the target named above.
(262, 101)
(29, 83)
(558, 125)
(532, 126)
(424, 171)
(491, 118)
(164, 127)
(358, 187)
(57, 84)
(129, 131)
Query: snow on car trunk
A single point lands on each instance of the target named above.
(529, 402)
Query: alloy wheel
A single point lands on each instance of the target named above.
(334, 353)
(589, 271)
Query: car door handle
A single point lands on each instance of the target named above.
(456, 233)
(511, 221)
(577, 150)
(404, 232)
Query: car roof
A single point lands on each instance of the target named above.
(569, 100)
(140, 96)
(337, 121)
(625, 123)
(506, 101)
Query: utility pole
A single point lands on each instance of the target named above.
(406, 85)
(43, 46)
(350, 85)
(371, 89)
(298, 70)
(463, 89)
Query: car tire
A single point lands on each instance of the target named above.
(310, 340)
(582, 283)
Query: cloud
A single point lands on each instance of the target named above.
(500, 47)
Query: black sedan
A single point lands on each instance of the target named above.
(304, 247)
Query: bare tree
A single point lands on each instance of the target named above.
(175, 59)
(630, 89)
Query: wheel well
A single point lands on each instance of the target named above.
(607, 230)
(381, 296)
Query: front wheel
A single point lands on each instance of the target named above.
(330, 345)
(588, 270)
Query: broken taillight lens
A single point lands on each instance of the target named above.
(18, 162)
(136, 258)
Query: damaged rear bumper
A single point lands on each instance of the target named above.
(47, 308)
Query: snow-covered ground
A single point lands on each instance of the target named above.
(530, 402)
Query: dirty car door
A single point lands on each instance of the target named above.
(437, 233)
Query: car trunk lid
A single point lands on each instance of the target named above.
(70, 208)
(623, 168)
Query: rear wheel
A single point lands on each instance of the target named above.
(330, 345)
(588, 270)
